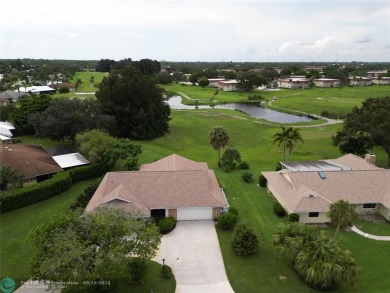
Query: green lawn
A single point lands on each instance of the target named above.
(382, 229)
(87, 86)
(45, 142)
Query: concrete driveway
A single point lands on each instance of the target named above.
(192, 251)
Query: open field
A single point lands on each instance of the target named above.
(87, 86)
(260, 272)
(314, 100)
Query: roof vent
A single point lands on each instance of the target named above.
(311, 195)
(322, 174)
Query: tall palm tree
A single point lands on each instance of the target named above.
(219, 138)
(341, 214)
(288, 137)
(8, 175)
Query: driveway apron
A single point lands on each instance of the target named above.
(192, 251)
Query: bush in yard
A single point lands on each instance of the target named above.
(63, 90)
(279, 210)
(227, 221)
(166, 272)
(293, 217)
(244, 241)
(243, 165)
(166, 224)
(247, 176)
(233, 211)
(262, 181)
(137, 268)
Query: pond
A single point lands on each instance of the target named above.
(252, 110)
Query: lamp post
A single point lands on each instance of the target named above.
(163, 263)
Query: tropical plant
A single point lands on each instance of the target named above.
(229, 159)
(288, 137)
(247, 176)
(341, 214)
(227, 221)
(218, 138)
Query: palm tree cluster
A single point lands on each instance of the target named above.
(318, 260)
(288, 137)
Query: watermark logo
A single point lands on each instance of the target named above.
(7, 285)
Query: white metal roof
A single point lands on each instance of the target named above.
(5, 132)
(70, 160)
(2, 137)
(7, 125)
(36, 88)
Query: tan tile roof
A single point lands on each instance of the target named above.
(29, 160)
(147, 189)
(358, 186)
(174, 163)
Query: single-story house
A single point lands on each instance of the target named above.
(327, 82)
(381, 80)
(32, 162)
(294, 82)
(309, 188)
(214, 82)
(172, 186)
(59, 84)
(376, 73)
(11, 96)
(36, 90)
(360, 81)
(6, 131)
(228, 85)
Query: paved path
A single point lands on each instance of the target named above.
(375, 237)
(192, 251)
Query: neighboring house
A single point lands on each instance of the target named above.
(3, 102)
(309, 188)
(31, 161)
(59, 84)
(376, 73)
(228, 85)
(327, 82)
(6, 132)
(11, 96)
(360, 81)
(214, 82)
(294, 82)
(36, 90)
(173, 186)
(381, 80)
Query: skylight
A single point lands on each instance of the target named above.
(322, 174)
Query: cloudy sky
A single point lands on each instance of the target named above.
(185, 30)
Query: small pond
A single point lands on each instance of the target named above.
(252, 110)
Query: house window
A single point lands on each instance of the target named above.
(157, 213)
(369, 206)
(314, 214)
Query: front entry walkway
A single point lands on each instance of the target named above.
(192, 251)
(375, 237)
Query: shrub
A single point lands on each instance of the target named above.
(18, 198)
(137, 268)
(293, 217)
(244, 241)
(255, 97)
(278, 166)
(227, 221)
(233, 211)
(166, 224)
(247, 176)
(84, 198)
(243, 165)
(63, 90)
(87, 172)
(227, 166)
(279, 210)
(262, 181)
(166, 272)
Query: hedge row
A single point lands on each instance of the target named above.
(59, 183)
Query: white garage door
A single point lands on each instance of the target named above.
(194, 214)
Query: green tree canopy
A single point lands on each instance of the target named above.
(247, 81)
(373, 118)
(136, 103)
(288, 137)
(203, 81)
(218, 138)
(341, 214)
(8, 175)
(64, 118)
(358, 143)
(93, 246)
(229, 159)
